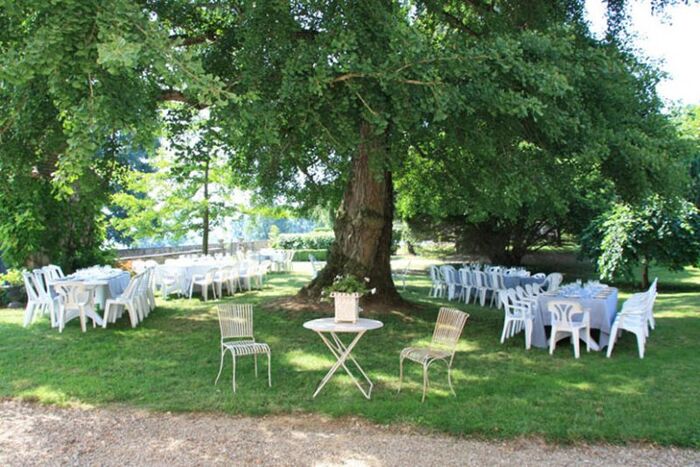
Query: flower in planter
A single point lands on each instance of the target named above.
(346, 284)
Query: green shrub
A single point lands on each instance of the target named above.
(13, 277)
(303, 255)
(306, 241)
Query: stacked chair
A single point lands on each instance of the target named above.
(637, 317)
(138, 300)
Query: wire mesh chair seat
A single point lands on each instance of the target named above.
(442, 347)
(242, 348)
(236, 325)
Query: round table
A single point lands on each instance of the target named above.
(340, 351)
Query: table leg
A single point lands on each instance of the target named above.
(342, 352)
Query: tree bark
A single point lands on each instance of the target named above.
(362, 246)
(645, 274)
(205, 215)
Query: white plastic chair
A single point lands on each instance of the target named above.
(449, 276)
(314, 267)
(401, 276)
(39, 300)
(498, 287)
(236, 325)
(77, 301)
(553, 281)
(170, 280)
(222, 279)
(204, 281)
(438, 284)
(481, 287)
(127, 300)
(465, 292)
(632, 318)
(517, 315)
(569, 318)
(448, 329)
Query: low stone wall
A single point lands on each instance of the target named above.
(160, 254)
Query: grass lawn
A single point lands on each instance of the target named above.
(170, 362)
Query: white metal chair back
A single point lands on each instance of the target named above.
(448, 328)
(539, 275)
(564, 313)
(235, 321)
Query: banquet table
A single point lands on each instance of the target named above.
(107, 282)
(186, 268)
(340, 351)
(602, 307)
(513, 281)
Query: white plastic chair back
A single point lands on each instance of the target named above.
(480, 279)
(553, 281)
(31, 287)
(448, 329)
(564, 313)
(465, 277)
(435, 274)
(41, 283)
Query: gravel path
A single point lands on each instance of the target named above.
(32, 434)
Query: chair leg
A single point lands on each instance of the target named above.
(233, 357)
(552, 341)
(575, 338)
(640, 343)
(588, 339)
(29, 314)
(269, 370)
(400, 373)
(528, 334)
(425, 381)
(613, 338)
(221, 367)
(255, 358)
(506, 325)
(449, 379)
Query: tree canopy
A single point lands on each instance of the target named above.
(506, 111)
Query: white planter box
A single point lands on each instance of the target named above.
(347, 307)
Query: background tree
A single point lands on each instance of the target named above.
(659, 230)
(190, 190)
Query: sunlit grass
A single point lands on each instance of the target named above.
(170, 362)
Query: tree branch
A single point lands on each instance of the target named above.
(177, 96)
(194, 40)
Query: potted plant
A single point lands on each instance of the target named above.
(346, 292)
(13, 292)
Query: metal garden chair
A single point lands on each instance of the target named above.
(443, 346)
(236, 323)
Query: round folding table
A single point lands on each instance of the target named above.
(327, 327)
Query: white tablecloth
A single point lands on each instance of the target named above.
(109, 283)
(185, 268)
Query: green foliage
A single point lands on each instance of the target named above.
(306, 241)
(663, 231)
(303, 255)
(347, 284)
(273, 233)
(12, 277)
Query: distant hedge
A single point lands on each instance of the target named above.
(303, 255)
(306, 241)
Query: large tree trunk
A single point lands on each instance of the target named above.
(362, 246)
